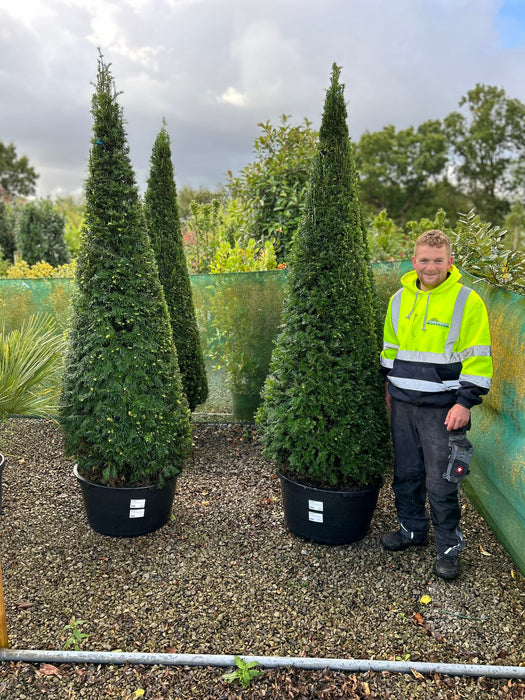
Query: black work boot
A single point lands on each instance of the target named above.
(446, 566)
(401, 539)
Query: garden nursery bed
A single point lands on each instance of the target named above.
(224, 576)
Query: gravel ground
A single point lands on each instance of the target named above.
(225, 577)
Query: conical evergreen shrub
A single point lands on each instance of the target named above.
(323, 417)
(125, 417)
(163, 223)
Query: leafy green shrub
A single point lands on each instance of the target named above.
(387, 241)
(323, 417)
(162, 218)
(40, 233)
(480, 250)
(124, 413)
(210, 225)
(7, 230)
(248, 258)
(273, 188)
(30, 358)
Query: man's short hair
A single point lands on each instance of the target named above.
(435, 239)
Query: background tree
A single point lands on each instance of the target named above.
(273, 187)
(399, 169)
(72, 209)
(163, 223)
(124, 413)
(323, 416)
(202, 195)
(488, 148)
(17, 177)
(40, 233)
(7, 230)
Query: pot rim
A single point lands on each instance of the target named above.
(151, 487)
(362, 489)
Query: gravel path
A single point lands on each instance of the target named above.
(225, 577)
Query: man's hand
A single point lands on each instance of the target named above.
(388, 398)
(457, 417)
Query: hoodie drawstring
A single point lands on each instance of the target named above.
(426, 309)
(414, 304)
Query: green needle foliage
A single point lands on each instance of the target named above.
(125, 417)
(323, 417)
(163, 223)
(29, 360)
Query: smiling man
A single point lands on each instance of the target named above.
(437, 363)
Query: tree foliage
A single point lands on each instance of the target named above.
(7, 231)
(398, 168)
(40, 233)
(124, 413)
(488, 148)
(273, 187)
(323, 417)
(72, 209)
(163, 223)
(17, 177)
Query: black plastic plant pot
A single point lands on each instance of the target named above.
(327, 517)
(128, 511)
(245, 406)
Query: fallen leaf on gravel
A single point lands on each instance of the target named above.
(484, 551)
(170, 650)
(418, 617)
(48, 670)
(416, 674)
(425, 599)
(24, 605)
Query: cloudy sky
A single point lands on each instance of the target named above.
(214, 69)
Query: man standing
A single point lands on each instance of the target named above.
(437, 363)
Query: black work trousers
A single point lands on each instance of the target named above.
(420, 458)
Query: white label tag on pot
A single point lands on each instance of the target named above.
(136, 512)
(316, 505)
(315, 517)
(137, 503)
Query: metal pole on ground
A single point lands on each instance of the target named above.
(3, 622)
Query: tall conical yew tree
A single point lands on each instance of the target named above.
(125, 417)
(323, 417)
(163, 223)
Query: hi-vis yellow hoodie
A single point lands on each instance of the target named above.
(436, 349)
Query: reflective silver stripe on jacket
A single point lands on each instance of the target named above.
(484, 382)
(395, 309)
(443, 359)
(422, 385)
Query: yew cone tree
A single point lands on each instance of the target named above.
(163, 223)
(125, 417)
(323, 418)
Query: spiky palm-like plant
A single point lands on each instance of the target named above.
(323, 418)
(163, 223)
(29, 360)
(124, 413)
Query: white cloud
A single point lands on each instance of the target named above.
(233, 97)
